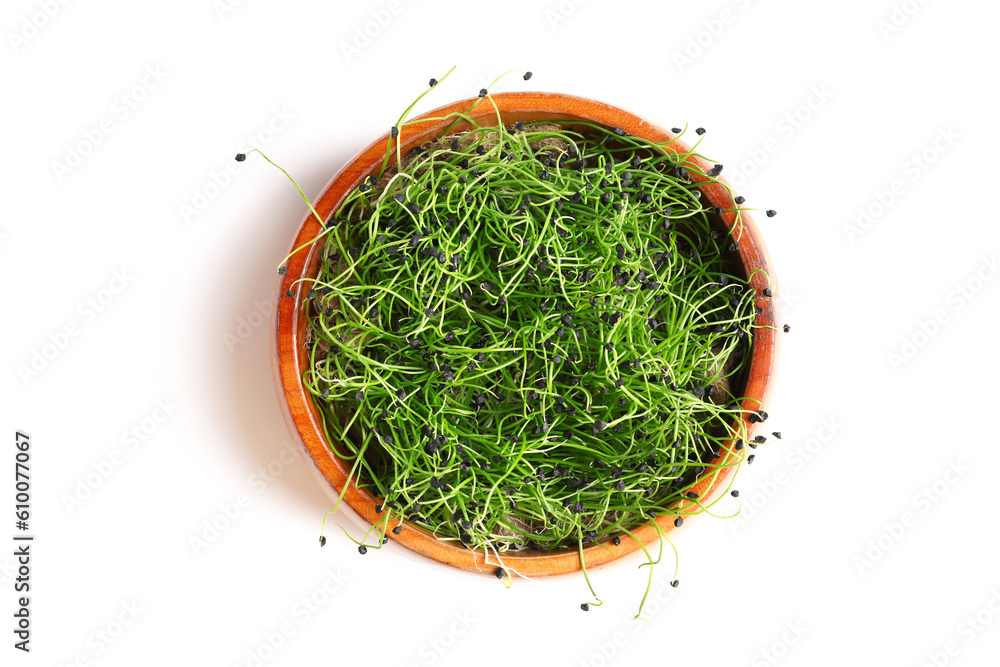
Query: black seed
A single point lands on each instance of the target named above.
(675, 583)
(700, 131)
(394, 132)
(483, 92)
(734, 493)
(678, 521)
(322, 541)
(771, 213)
(585, 607)
(527, 75)
(362, 550)
(785, 328)
(777, 434)
(751, 458)
(740, 199)
(397, 530)
(433, 82)
(240, 157)
(617, 541)
(676, 130)
(499, 573)
(292, 293)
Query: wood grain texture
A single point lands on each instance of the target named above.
(290, 359)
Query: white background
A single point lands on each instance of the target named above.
(854, 533)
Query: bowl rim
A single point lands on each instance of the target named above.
(289, 324)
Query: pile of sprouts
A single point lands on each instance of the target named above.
(530, 336)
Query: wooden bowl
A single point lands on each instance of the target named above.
(290, 358)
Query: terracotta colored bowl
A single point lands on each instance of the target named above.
(291, 359)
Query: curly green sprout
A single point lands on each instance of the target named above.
(529, 336)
